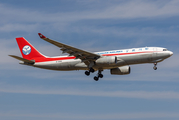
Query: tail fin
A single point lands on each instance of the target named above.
(27, 50)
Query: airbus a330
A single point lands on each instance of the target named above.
(117, 61)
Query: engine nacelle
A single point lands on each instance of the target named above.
(109, 60)
(124, 70)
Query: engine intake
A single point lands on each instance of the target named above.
(109, 60)
(124, 70)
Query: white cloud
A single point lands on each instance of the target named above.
(134, 115)
(129, 31)
(124, 10)
(77, 92)
(7, 48)
(18, 27)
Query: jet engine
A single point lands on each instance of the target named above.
(109, 60)
(124, 70)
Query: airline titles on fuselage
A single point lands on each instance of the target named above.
(123, 51)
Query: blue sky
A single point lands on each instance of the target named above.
(94, 25)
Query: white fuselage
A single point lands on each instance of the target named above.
(122, 57)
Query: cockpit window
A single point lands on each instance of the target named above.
(165, 50)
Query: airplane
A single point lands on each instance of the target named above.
(117, 61)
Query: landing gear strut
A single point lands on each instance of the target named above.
(91, 70)
(96, 78)
(155, 66)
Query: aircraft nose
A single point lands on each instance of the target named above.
(171, 53)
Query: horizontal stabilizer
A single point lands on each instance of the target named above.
(22, 59)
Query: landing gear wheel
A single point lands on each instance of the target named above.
(96, 78)
(155, 68)
(87, 73)
(100, 75)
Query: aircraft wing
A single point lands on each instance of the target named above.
(85, 56)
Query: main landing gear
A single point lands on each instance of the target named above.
(155, 66)
(96, 78)
(88, 72)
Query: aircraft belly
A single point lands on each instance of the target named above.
(46, 65)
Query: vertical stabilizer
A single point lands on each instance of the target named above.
(27, 50)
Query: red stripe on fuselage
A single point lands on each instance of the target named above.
(53, 59)
(127, 53)
(72, 57)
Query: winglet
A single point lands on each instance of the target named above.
(41, 36)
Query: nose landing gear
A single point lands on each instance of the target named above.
(155, 66)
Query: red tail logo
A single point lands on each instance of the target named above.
(27, 50)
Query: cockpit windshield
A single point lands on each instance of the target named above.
(165, 50)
